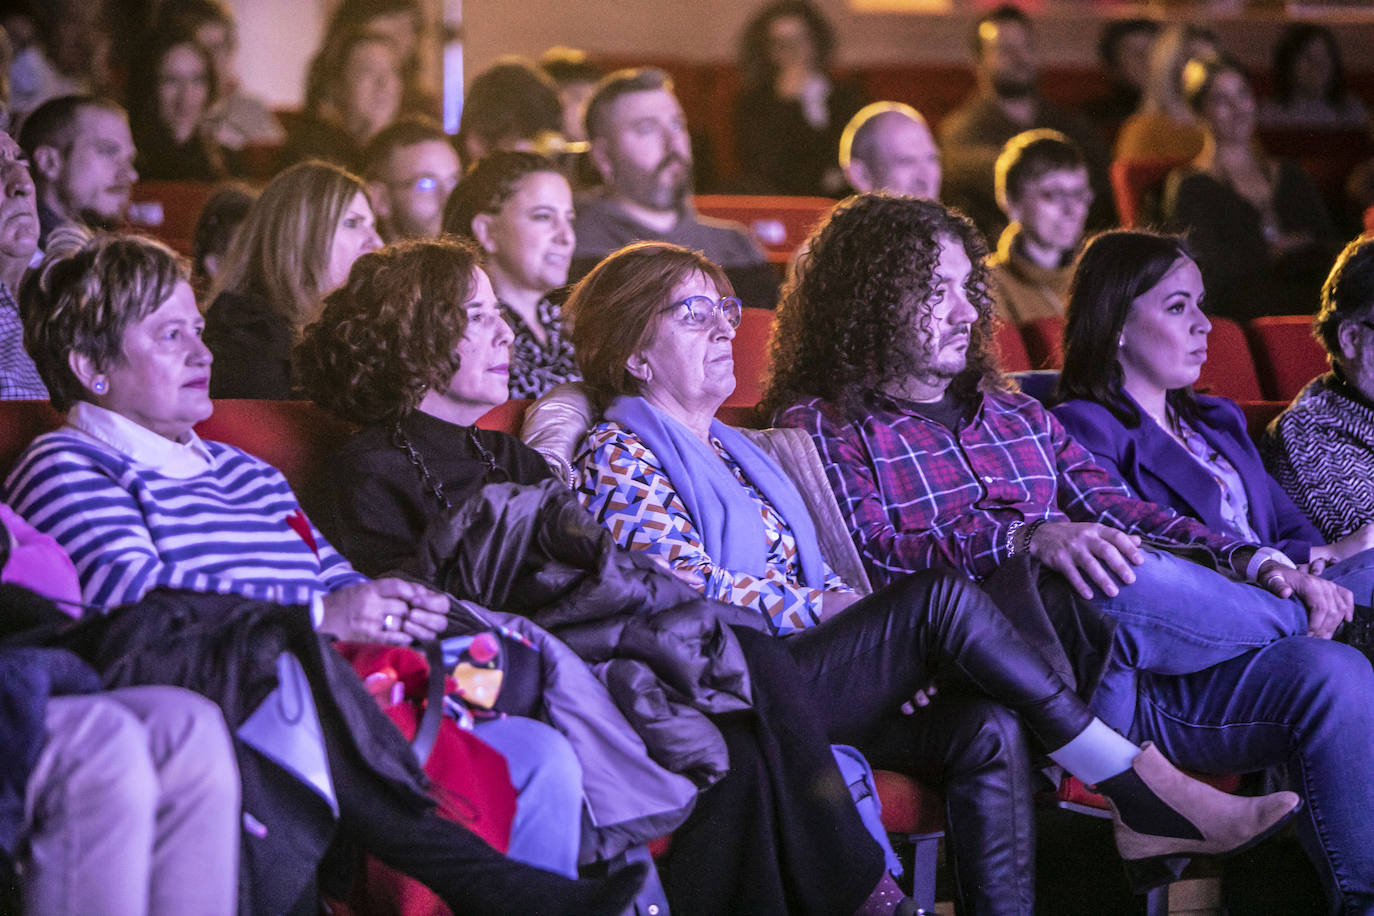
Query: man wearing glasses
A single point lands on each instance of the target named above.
(411, 167)
(1042, 187)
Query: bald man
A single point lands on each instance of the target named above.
(888, 146)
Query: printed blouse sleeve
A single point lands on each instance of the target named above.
(624, 487)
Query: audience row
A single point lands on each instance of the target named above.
(660, 623)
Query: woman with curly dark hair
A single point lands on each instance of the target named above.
(414, 349)
(392, 352)
(790, 112)
(837, 339)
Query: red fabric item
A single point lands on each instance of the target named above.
(751, 356)
(471, 781)
(1071, 789)
(1044, 338)
(1011, 348)
(1287, 354)
(1230, 369)
(908, 806)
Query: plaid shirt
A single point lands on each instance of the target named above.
(916, 495)
(19, 378)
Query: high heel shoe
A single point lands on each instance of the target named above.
(1160, 816)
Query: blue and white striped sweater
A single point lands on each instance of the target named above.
(235, 529)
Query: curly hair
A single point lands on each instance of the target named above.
(391, 333)
(84, 296)
(488, 185)
(844, 319)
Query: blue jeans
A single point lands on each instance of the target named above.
(1179, 617)
(1355, 573)
(1302, 702)
(547, 829)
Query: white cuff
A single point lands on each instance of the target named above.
(1264, 555)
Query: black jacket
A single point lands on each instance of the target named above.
(669, 656)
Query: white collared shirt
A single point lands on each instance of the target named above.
(179, 460)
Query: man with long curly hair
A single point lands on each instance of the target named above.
(883, 354)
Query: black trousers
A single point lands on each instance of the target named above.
(779, 832)
(859, 667)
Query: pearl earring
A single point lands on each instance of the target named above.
(99, 386)
(1121, 344)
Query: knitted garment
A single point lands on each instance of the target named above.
(234, 529)
(1321, 451)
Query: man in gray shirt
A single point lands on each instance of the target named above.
(640, 146)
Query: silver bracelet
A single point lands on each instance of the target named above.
(1263, 555)
(1012, 528)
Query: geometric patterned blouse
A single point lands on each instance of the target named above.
(623, 484)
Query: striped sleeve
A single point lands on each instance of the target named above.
(75, 494)
(234, 530)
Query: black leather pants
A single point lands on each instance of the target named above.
(862, 665)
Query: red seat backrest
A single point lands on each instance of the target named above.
(751, 356)
(1044, 339)
(1011, 349)
(1259, 414)
(20, 423)
(779, 224)
(168, 210)
(1135, 182)
(296, 437)
(1230, 369)
(1286, 354)
(507, 417)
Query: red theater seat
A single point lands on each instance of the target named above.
(1137, 185)
(1259, 414)
(1286, 354)
(1044, 339)
(1230, 369)
(1011, 348)
(780, 224)
(751, 356)
(168, 210)
(507, 417)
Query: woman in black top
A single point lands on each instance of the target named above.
(791, 112)
(417, 373)
(170, 90)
